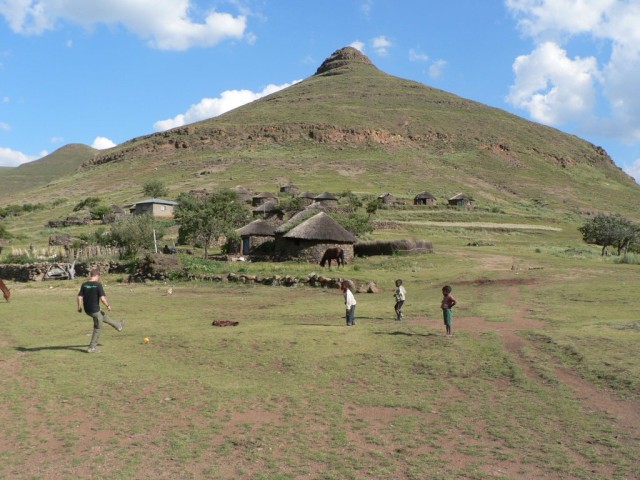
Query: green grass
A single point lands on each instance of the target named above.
(291, 392)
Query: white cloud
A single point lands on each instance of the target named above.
(634, 170)
(437, 68)
(544, 19)
(164, 24)
(416, 56)
(212, 107)
(381, 45)
(613, 28)
(552, 87)
(13, 158)
(366, 8)
(358, 45)
(102, 143)
(5, 126)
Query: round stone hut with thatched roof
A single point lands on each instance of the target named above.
(327, 199)
(269, 211)
(254, 234)
(264, 197)
(307, 197)
(424, 198)
(305, 237)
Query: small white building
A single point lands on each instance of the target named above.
(157, 207)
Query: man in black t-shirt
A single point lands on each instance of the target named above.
(90, 295)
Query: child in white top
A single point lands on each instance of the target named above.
(350, 304)
(400, 295)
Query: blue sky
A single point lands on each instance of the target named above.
(101, 72)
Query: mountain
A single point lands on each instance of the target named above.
(63, 162)
(353, 127)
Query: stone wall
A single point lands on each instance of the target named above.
(311, 251)
(311, 280)
(35, 272)
(157, 268)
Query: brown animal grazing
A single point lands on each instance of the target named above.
(336, 254)
(5, 291)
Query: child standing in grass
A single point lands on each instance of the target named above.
(350, 304)
(399, 295)
(447, 304)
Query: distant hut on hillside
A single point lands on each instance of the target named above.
(115, 213)
(264, 197)
(424, 198)
(269, 211)
(326, 199)
(462, 200)
(307, 197)
(254, 234)
(157, 207)
(289, 188)
(387, 198)
(243, 194)
(310, 238)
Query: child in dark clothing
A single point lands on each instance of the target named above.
(447, 304)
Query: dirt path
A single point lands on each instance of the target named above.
(625, 412)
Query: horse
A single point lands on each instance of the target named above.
(5, 291)
(336, 254)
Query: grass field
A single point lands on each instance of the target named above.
(540, 380)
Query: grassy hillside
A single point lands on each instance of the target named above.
(539, 380)
(63, 162)
(351, 127)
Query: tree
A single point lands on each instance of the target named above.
(356, 223)
(135, 233)
(373, 206)
(352, 200)
(203, 220)
(99, 211)
(155, 189)
(610, 231)
(89, 202)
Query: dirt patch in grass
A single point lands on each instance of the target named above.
(625, 412)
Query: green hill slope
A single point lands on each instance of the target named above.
(352, 126)
(63, 162)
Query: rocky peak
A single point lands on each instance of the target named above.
(342, 59)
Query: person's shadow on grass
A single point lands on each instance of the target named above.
(77, 348)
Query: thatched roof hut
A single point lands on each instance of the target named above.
(307, 197)
(424, 198)
(387, 198)
(242, 193)
(254, 234)
(462, 200)
(326, 199)
(264, 197)
(289, 188)
(310, 238)
(268, 210)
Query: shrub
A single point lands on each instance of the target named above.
(100, 211)
(155, 188)
(4, 233)
(629, 258)
(89, 202)
(20, 259)
(391, 247)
